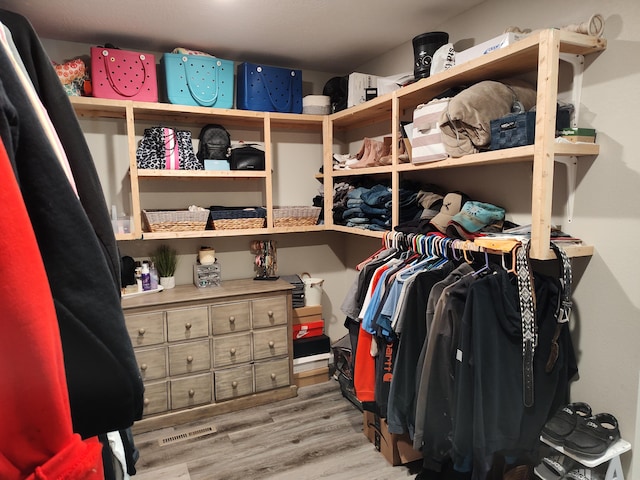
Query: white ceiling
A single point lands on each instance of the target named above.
(324, 35)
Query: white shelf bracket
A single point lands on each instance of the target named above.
(571, 162)
(577, 63)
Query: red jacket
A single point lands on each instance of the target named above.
(36, 436)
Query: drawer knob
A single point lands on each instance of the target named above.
(192, 392)
(272, 344)
(232, 319)
(187, 326)
(189, 359)
(143, 367)
(232, 351)
(270, 313)
(234, 384)
(146, 402)
(273, 376)
(141, 331)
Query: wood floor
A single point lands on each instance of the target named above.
(317, 435)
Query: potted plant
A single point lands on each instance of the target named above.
(165, 260)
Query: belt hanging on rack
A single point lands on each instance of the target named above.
(526, 294)
(563, 312)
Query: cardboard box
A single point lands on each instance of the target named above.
(308, 329)
(304, 315)
(397, 449)
(483, 48)
(311, 377)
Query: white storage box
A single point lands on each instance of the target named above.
(359, 84)
(316, 105)
(496, 43)
(426, 138)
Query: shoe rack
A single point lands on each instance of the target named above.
(538, 54)
(612, 456)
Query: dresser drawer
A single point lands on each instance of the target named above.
(156, 398)
(187, 323)
(229, 318)
(145, 328)
(189, 357)
(233, 382)
(190, 391)
(231, 349)
(152, 363)
(270, 342)
(272, 374)
(268, 312)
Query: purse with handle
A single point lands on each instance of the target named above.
(123, 74)
(269, 89)
(198, 80)
(166, 148)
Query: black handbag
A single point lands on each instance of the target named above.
(246, 157)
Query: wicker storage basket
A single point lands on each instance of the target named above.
(174, 220)
(233, 218)
(295, 216)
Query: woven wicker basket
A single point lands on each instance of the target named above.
(237, 218)
(295, 216)
(175, 220)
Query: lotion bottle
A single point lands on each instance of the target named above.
(146, 277)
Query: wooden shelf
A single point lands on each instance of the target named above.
(539, 54)
(167, 113)
(202, 174)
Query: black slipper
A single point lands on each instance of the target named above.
(593, 436)
(583, 474)
(554, 467)
(564, 421)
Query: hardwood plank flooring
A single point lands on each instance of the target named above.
(317, 435)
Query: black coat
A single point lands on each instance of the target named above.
(76, 242)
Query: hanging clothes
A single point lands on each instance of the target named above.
(75, 239)
(458, 382)
(36, 438)
(401, 413)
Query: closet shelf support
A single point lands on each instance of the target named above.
(577, 63)
(571, 162)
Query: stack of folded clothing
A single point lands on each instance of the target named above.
(298, 289)
(368, 208)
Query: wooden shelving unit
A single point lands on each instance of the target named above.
(538, 54)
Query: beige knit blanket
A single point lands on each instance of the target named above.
(465, 124)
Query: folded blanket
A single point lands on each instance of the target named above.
(465, 125)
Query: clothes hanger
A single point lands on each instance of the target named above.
(466, 250)
(485, 267)
(386, 242)
(513, 259)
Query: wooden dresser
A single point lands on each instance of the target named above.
(205, 351)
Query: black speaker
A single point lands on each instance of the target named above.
(424, 46)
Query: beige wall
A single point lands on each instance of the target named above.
(605, 322)
(606, 319)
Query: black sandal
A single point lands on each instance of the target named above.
(554, 467)
(560, 426)
(593, 436)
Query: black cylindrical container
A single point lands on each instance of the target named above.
(424, 46)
